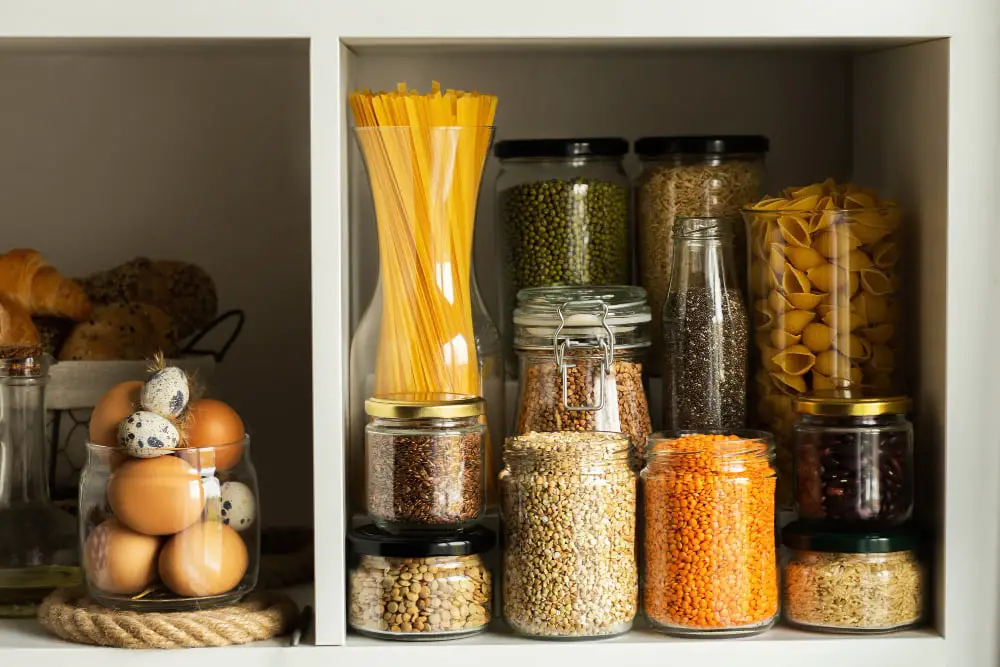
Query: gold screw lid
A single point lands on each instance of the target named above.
(843, 404)
(425, 405)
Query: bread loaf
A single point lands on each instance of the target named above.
(121, 331)
(183, 291)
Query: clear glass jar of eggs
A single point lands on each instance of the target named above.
(172, 531)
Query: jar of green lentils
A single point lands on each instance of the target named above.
(563, 212)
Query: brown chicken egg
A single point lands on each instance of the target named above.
(211, 423)
(119, 560)
(118, 403)
(158, 496)
(208, 558)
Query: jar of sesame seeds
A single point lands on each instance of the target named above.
(710, 566)
(425, 458)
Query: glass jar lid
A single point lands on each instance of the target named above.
(580, 311)
(561, 148)
(850, 404)
(24, 361)
(804, 536)
(424, 406)
(647, 147)
(370, 541)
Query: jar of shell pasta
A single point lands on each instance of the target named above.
(824, 299)
(422, 588)
(708, 176)
(852, 582)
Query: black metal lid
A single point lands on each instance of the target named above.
(370, 541)
(709, 144)
(809, 537)
(585, 147)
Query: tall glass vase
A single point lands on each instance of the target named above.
(426, 329)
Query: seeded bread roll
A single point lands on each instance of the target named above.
(121, 331)
(183, 291)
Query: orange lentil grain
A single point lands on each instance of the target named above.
(709, 533)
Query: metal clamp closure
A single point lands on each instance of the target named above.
(606, 342)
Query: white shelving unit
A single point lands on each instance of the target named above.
(902, 95)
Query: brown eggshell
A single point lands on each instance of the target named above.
(158, 496)
(208, 558)
(118, 403)
(211, 423)
(119, 560)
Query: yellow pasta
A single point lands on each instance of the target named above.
(425, 156)
(795, 360)
(781, 339)
(795, 321)
(804, 259)
(817, 336)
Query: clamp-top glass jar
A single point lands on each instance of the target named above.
(425, 461)
(581, 351)
(853, 459)
(563, 210)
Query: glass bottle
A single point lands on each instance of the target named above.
(38, 541)
(427, 329)
(705, 331)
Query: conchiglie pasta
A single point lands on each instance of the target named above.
(803, 301)
(824, 265)
(789, 384)
(817, 336)
(795, 360)
(880, 334)
(795, 321)
(804, 259)
(781, 339)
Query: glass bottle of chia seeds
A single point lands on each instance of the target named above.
(705, 331)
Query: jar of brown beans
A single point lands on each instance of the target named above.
(853, 459)
(710, 553)
(419, 588)
(425, 458)
(581, 351)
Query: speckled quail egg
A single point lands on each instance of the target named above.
(146, 435)
(239, 507)
(166, 392)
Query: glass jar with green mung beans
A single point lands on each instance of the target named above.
(564, 215)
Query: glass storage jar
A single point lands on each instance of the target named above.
(581, 353)
(38, 540)
(177, 532)
(853, 459)
(563, 213)
(824, 294)
(568, 504)
(705, 331)
(710, 566)
(425, 461)
(423, 588)
(852, 582)
(708, 176)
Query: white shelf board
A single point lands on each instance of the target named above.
(24, 642)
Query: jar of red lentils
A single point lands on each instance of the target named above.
(710, 552)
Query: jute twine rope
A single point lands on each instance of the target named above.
(69, 614)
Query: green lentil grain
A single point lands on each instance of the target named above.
(567, 232)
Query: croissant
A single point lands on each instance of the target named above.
(39, 288)
(16, 327)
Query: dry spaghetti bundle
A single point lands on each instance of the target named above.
(425, 155)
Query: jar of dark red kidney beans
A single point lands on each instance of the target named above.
(854, 459)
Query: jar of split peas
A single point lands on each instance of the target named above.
(710, 553)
